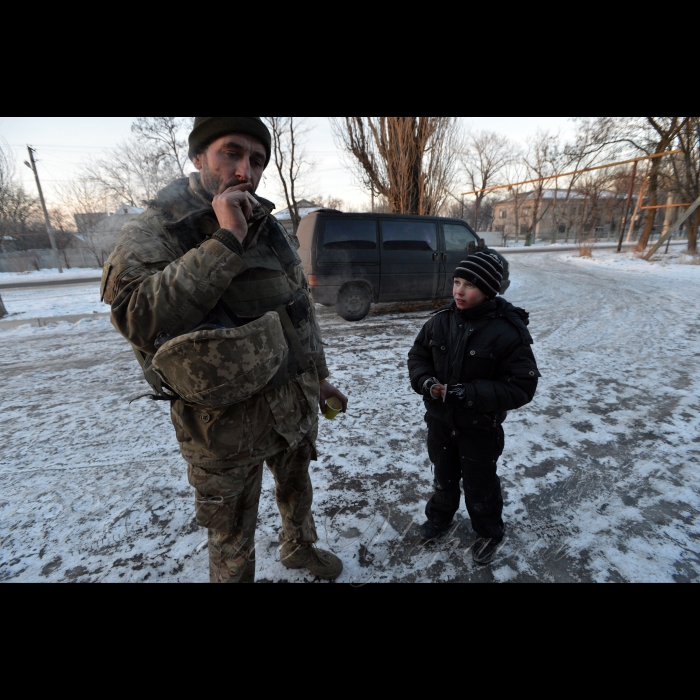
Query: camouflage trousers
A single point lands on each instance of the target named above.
(227, 503)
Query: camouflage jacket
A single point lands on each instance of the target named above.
(167, 274)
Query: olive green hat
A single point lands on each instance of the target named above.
(208, 129)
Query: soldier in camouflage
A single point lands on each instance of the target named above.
(205, 255)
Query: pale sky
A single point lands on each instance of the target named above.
(63, 142)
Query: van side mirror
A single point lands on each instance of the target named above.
(482, 244)
(471, 247)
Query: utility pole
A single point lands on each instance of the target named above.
(49, 228)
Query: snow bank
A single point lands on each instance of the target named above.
(48, 276)
(677, 264)
(47, 302)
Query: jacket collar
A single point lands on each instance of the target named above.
(489, 308)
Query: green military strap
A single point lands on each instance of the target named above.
(293, 338)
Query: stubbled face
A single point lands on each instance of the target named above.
(467, 296)
(236, 160)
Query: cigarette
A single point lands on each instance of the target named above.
(252, 200)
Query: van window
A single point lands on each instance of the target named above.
(457, 238)
(410, 235)
(350, 234)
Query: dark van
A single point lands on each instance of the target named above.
(355, 260)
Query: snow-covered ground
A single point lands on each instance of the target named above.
(600, 472)
(48, 276)
(47, 302)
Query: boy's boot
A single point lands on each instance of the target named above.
(430, 532)
(485, 551)
(303, 555)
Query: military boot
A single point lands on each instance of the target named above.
(304, 555)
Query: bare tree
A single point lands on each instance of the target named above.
(89, 204)
(137, 169)
(484, 159)
(410, 161)
(589, 148)
(167, 136)
(18, 209)
(7, 186)
(686, 170)
(666, 130)
(133, 173)
(544, 158)
(331, 202)
(648, 135)
(291, 160)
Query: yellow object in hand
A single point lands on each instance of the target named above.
(333, 408)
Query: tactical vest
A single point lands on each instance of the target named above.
(266, 283)
(261, 286)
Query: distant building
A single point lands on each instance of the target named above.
(561, 213)
(85, 223)
(98, 232)
(305, 208)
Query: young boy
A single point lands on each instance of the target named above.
(473, 363)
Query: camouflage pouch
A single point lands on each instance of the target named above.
(223, 367)
(219, 495)
(295, 319)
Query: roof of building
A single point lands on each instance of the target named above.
(127, 210)
(305, 208)
(561, 195)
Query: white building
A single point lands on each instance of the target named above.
(305, 208)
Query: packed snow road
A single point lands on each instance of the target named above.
(600, 472)
(27, 303)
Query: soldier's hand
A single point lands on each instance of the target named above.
(233, 209)
(328, 391)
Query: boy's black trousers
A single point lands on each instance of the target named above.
(471, 457)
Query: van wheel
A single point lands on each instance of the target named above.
(354, 303)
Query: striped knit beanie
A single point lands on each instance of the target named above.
(484, 271)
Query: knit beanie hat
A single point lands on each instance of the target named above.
(208, 129)
(484, 271)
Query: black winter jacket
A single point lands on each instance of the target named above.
(488, 349)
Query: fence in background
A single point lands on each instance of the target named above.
(29, 260)
(500, 240)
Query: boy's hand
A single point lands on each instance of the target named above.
(431, 389)
(439, 391)
(456, 394)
